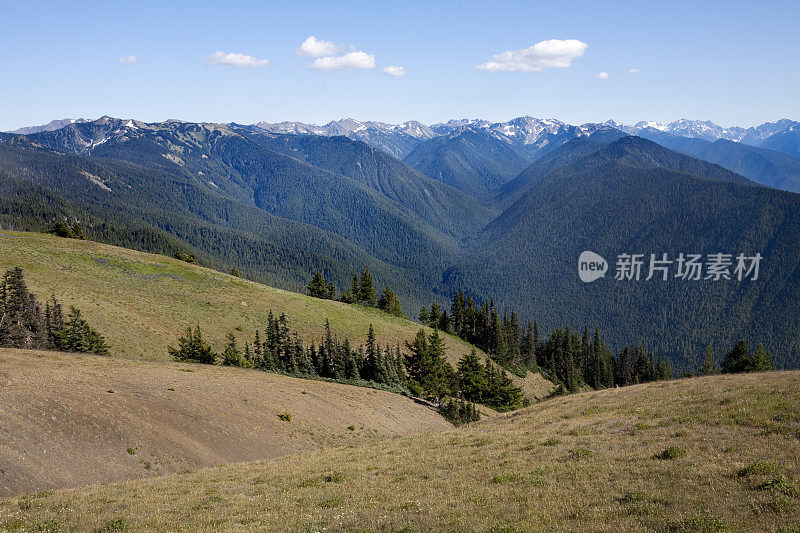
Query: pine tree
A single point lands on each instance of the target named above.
(423, 316)
(736, 359)
(417, 362)
(77, 336)
(317, 286)
(390, 303)
(760, 361)
(351, 367)
(366, 292)
(232, 356)
(192, 348)
(708, 367)
(54, 323)
(434, 315)
(663, 370)
(22, 322)
(355, 289)
(472, 377)
(371, 370)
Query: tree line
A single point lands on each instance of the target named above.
(25, 323)
(361, 291)
(421, 370)
(571, 360)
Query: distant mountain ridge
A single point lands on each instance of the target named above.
(533, 136)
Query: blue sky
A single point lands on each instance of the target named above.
(730, 62)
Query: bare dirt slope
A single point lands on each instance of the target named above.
(711, 454)
(69, 420)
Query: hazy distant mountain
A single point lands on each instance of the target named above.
(786, 141)
(397, 140)
(531, 136)
(767, 167)
(706, 130)
(50, 126)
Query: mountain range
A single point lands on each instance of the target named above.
(499, 210)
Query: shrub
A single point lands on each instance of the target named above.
(579, 453)
(707, 524)
(286, 417)
(782, 485)
(131, 451)
(552, 441)
(507, 477)
(759, 468)
(336, 477)
(672, 453)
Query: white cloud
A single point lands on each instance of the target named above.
(393, 70)
(312, 47)
(128, 59)
(601, 75)
(632, 71)
(235, 60)
(555, 53)
(351, 61)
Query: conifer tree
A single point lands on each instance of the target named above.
(317, 286)
(232, 356)
(708, 367)
(390, 303)
(54, 323)
(351, 370)
(366, 291)
(77, 336)
(355, 289)
(472, 377)
(371, 370)
(760, 361)
(192, 348)
(736, 359)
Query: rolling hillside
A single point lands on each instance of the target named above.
(143, 302)
(71, 420)
(705, 454)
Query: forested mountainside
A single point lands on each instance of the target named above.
(635, 197)
(475, 162)
(281, 207)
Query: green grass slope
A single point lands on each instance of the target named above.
(705, 454)
(143, 302)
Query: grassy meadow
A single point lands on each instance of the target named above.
(143, 302)
(719, 453)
